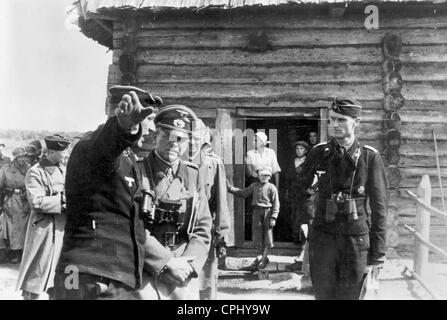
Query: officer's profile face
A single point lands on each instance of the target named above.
(58, 156)
(198, 139)
(342, 126)
(147, 128)
(169, 144)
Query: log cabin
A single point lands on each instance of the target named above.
(247, 65)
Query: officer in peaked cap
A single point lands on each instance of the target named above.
(346, 236)
(181, 218)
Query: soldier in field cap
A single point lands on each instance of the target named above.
(346, 237)
(45, 186)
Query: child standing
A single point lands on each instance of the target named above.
(265, 202)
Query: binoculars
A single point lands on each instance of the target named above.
(343, 205)
(147, 209)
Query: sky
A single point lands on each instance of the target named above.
(51, 78)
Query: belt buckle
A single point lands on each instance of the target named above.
(170, 238)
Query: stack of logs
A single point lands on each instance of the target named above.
(393, 102)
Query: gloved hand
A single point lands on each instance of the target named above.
(130, 112)
(272, 222)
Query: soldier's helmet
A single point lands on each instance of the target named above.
(18, 152)
(177, 118)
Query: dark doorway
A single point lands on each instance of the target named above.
(288, 131)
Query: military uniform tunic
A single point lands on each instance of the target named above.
(12, 185)
(104, 233)
(341, 249)
(212, 170)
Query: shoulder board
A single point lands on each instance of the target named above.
(320, 144)
(212, 155)
(370, 148)
(190, 164)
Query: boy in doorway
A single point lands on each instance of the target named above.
(265, 202)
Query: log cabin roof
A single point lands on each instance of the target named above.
(96, 16)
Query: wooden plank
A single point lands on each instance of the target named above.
(260, 74)
(412, 176)
(320, 91)
(364, 55)
(223, 124)
(280, 38)
(324, 72)
(290, 19)
(423, 130)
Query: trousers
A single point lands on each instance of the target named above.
(337, 264)
(92, 287)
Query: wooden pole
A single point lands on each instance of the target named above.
(422, 227)
(439, 173)
(426, 243)
(414, 275)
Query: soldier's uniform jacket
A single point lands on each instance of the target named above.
(368, 185)
(212, 171)
(14, 201)
(187, 174)
(4, 160)
(104, 233)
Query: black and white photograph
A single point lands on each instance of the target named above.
(223, 150)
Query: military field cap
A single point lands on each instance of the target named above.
(347, 107)
(301, 143)
(177, 118)
(265, 172)
(262, 136)
(57, 142)
(17, 152)
(146, 99)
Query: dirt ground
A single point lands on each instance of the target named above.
(289, 285)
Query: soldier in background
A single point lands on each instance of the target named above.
(345, 238)
(3, 159)
(45, 186)
(14, 204)
(212, 171)
(181, 220)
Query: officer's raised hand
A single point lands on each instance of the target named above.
(131, 113)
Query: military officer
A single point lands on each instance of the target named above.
(346, 237)
(212, 170)
(105, 244)
(181, 220)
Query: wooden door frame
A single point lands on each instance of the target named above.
(233, 119)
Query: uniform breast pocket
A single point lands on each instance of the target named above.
(361, 242)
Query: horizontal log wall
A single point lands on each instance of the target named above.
(199, 60)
